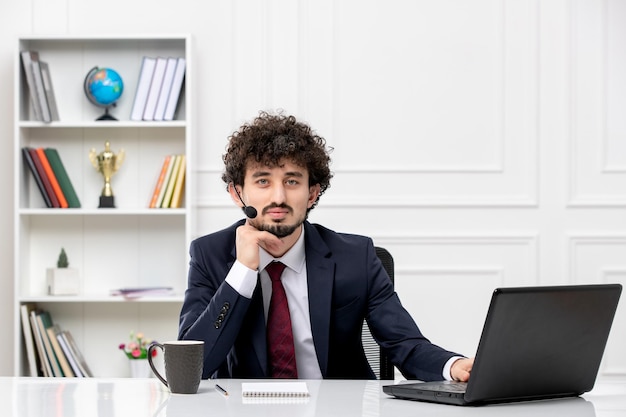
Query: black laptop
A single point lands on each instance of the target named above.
(537, 343)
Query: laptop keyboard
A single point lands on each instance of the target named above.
(448, 386)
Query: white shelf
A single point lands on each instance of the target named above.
(175, 299)
(29, 124)
(102, 212)
(127, 246)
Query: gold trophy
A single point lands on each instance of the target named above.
(107, 163)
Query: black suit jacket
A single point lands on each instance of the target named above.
(347, 284)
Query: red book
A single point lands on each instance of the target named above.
(53, 178)
(44, 178)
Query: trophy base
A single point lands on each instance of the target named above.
(107, 202)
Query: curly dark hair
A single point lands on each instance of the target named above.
(272, 137)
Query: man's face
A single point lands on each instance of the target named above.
(281, 195)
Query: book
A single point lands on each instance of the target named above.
(143, 87)
(54, 201)
(61, 175)
(180, 182)
(171, 182)
(67, 351)
(137, 292)
(52, 178)
(166, 87)
(39, 88)
(168, 175)
(160, 181)
(49, 90)
(78, 355)
(44, 321)
(46, 370)
(177, 83)
(29, 338)
(59, 352)
(155, 88)
(27, 66)
(33, 169)
(274, 389)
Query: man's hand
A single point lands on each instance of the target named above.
(461, 368)
(248, 241)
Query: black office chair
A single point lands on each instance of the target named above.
(380, 363)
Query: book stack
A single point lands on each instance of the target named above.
(170, 185)
(51, 351)
(51, 177)
(158, 88)
(39, 81)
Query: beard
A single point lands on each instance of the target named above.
(278, 229)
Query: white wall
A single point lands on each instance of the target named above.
(481, 141)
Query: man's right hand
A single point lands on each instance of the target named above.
(461, 369)
(248, 240)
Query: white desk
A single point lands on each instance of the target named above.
(71, 397)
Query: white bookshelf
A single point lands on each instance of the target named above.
(127, 246)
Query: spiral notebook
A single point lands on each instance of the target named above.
(274, 389)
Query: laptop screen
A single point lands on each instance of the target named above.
(542, 341)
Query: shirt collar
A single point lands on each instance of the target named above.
(294, 258)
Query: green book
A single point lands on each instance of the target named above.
(64, 180)
(44, 321)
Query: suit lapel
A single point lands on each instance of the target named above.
(259, 341)
(320, 277)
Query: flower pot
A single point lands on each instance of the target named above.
(140, 368)
(62, 281)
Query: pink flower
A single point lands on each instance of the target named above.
(138, 346)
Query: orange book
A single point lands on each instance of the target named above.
(160, 181)
(53, 179)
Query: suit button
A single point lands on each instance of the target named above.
(221, 317)
(217, 324)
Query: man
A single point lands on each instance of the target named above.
(276, 169)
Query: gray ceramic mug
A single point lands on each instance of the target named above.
(184, 360)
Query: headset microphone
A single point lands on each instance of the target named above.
(249, 211)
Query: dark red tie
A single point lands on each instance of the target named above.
(282, 355)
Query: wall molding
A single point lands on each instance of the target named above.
(577, 240)
(577, 198)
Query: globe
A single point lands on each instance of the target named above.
(103, 87)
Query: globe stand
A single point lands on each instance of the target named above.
(106, 115)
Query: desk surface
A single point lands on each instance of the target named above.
(69, 397)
